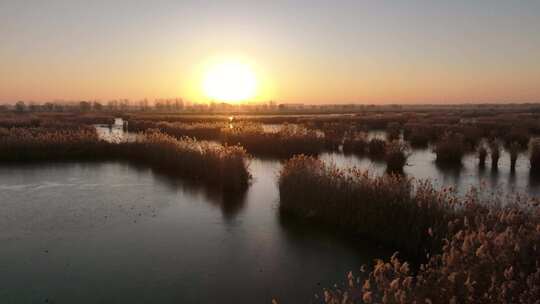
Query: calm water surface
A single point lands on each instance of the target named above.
(113, 233)
(421, 165)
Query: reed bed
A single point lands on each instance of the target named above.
(377, 147)
(38, 144)
(224, 166)
(356, 143)
(417, 135)
(334, 134)
(490, 255)
(289, 140)
(393, 131)
(198, 130)
(19, 121)
(450, 149)
(474, 250)
(396, 156)
(53, 120)
(390, 209)
(519, 135)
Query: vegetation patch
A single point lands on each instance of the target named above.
(474, 250)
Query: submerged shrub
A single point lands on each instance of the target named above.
(377, 147)
(450, 148)
(418, 138)
(514, 152)
(535, 156)
(419, 135)
(482, 154)
(333, 134)
(495, 153)
(393, 131)
(396, 156)
(471, 135)
(517, 135)
(356, 143)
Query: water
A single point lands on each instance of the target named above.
(114, 233)
(421, 165)
(115, 133)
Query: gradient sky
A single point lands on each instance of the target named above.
(302, 51)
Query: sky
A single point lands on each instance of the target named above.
(303, 51)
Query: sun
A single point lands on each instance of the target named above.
(230, 81)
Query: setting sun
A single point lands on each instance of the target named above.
(230, 81)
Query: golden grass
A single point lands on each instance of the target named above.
(287, 141)
(198, 130)
(224, 166)
(390, 209)
(476, 251)
(490, 255)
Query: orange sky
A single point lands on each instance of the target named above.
(306, 51)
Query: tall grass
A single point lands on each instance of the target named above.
(396, 156)
(59, 121)
(450, 149)
(31, 144)
(334, 134)
(198, 130)
(377, 147)
(223, 166)
(51, 120)
(390, 209)
(474, 250)
(519, 135)
(356, 143)
(490, 255)
(418, 136)
(287, 141)
(393, 131)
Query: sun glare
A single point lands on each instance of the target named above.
(230, 81)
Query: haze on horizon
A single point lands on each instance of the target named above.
(301, 51)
